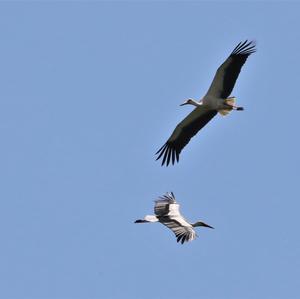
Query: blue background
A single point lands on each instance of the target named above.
(89, 92)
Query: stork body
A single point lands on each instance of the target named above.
(216, 100)
(166, 211)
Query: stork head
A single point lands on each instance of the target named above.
(191, 102)
(200, 223)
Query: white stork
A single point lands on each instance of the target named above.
(167, 212)
(216, 100)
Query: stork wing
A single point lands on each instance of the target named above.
(228, 72)
(182, 134)
(182, 229)
(167, 211)
(166, 206)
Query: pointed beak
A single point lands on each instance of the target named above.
(184, 103)
(139, 221)
(206, 225)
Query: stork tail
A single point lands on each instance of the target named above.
(229, 101)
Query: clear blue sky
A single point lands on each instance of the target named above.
(89, 92)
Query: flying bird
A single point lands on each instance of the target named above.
(216, 100)
(166, 211)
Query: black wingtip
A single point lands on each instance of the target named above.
(183, 239)
(179, 238)
(244, 48)
(168, 153)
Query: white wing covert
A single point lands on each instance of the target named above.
(166, 205)
(182, 233)
(167, 211)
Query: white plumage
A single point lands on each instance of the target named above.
(167, 212)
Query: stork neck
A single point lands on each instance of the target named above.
(151, 218)
(195, 103)
(198, 223)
